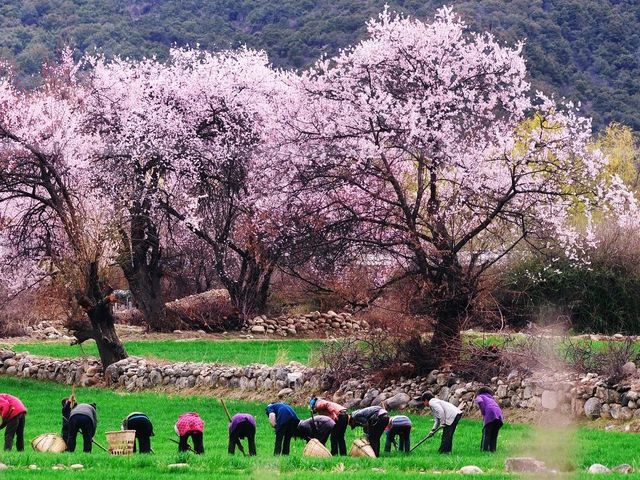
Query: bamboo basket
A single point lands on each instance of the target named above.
(49, 442)
(361, 448)
(121, 442)
(315, 449)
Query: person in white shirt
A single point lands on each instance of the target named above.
(445, 415)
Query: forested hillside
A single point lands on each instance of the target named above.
(587, 50)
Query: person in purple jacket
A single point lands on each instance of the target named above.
(242, 425)
(493, 420)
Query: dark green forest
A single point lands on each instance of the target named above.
(585, 50)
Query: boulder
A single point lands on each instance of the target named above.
(398, 402)
(257, 329)
(285, 392)
(470, 469)
(598, 468)
(624, 468)
(524, 464)
(549, 400)
(629, 369)
(592, 407)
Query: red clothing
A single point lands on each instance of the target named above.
(330, 409)
(6, 402)
(189, 422)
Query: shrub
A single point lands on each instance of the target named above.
(600, 296)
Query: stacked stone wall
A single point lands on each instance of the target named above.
(571, 394)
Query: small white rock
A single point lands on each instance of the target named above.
(33, 466)
(598, 468)
(76, 466)
(470, 469)
(177, 465)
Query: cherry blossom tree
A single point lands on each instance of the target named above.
(52, 226)
(198, 139)
(422, 133)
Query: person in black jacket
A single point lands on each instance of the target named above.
(82, 418)
(144, 430)
(373, 421)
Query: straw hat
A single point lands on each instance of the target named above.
(49, 442)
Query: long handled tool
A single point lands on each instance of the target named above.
(189, 447)
(423, 440)
(226, 410)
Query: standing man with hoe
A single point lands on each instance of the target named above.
(445, 414)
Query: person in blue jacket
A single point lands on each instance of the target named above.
(285, 421)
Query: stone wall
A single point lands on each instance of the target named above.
(331, 323)
(571, 394)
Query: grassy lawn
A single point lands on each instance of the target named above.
(234, 352)
(565, 449)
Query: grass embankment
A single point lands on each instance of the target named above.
(234, 352)
(563, 448)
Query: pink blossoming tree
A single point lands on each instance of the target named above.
(418, 133)
(51, 223)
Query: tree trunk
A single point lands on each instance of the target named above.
(450, 303)
(144, 283)
(101, 326)
(250, 292)
(109, 345)
(139, 259)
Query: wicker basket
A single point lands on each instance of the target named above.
(315, 449)
(49, 442)
(361, 448)
(121, 442)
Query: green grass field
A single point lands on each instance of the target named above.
(234, 352)
(565, 449)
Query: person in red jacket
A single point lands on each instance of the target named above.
(339, 415)
(13, 413)
(190, 425)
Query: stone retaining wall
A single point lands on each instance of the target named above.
(575, 395)
(289, 325)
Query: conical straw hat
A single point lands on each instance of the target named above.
(315, 449)
(361, 448)
(49, 442)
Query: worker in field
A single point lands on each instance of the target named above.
(242, 426)
(341, 418)
(285, 422)
(318, 427)
(144, 430)
(445, 415)
(13, 414)
(190, 425)
(82, 418)
(373, 421)
(399, 425)
(492, 416)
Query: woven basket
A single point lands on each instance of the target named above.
(49, 442)
(121, 442)
(361, 448)
(315, 449)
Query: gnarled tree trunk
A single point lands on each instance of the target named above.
(101, 326)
